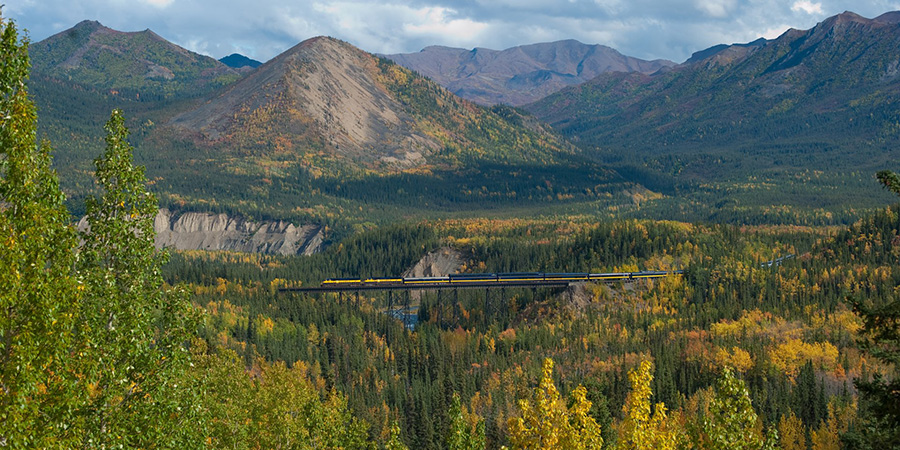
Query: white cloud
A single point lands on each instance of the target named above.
(774, 32)
(437, 22)
(716, 8)
(159, 3)
(807, 7)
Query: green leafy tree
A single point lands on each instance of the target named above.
(546, 423)
(131, 327)
(38, 288)
(732, 423)
(394, 441)
(463, 436)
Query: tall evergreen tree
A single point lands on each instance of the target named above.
(879, 396)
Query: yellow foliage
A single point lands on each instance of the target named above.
(738, 359)
(548, 424)
(640, 430)
(264, 325)
(793, 353)
(790, 433)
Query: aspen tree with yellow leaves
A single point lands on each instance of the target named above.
(546, 423)
(640, 429)
(790, 432)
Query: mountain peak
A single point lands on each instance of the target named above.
(323, 92)
(849, 17)
(145, 63)
(93, 24)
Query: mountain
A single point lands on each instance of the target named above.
(238, 61)
(79, 75)
(803, 119)
(324, 133)
(522, 74)
(329, 98)
(130, 65)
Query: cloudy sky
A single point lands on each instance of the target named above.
(670, 29)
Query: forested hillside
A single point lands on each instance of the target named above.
(801, 121)
(786, 329)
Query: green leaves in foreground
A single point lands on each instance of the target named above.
(38, 289)
(132, 328)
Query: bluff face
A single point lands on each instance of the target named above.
(204, 231)
(207, 231)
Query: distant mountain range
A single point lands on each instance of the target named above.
(818, 106)
(324, 123)
(522, 74)
(787, 130)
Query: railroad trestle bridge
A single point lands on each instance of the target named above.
(455, 282)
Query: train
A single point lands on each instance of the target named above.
(500, 278)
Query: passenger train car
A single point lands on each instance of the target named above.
(499, 278)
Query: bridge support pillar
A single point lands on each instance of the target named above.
(487, 303)
(407, 317)
(440, 310)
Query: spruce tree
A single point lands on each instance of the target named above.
(880, 336)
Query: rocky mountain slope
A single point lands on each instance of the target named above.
(322, 93)
(438, 263)
(331, 104)
(522, 74)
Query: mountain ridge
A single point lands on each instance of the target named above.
(521, 74)
(753, 118)
(323, 133)
(128, 64)
(327, 95)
